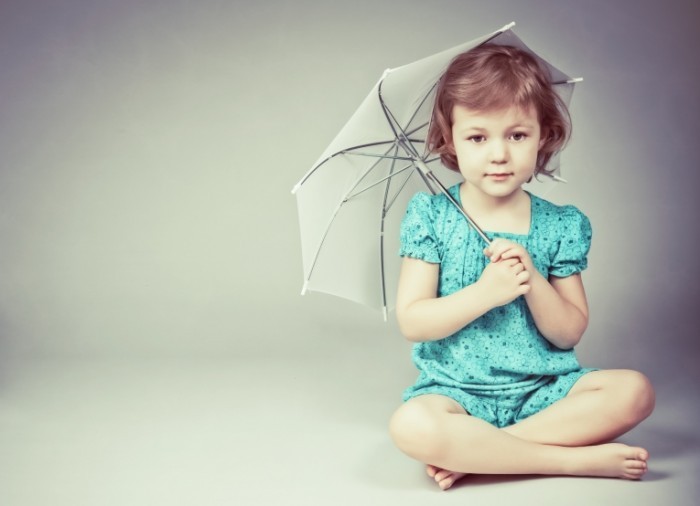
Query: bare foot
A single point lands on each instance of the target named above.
(444, 478)
(613, 460)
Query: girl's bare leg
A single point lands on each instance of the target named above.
(436, 430)
(601, 406)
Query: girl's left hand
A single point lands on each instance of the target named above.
(502, 249)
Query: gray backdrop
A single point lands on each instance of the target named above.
(148, 150)
(154, 348)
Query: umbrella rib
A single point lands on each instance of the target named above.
(382, 275)
(370, 169)
(386, 206)
(387, 157)
(391, 175)
(422, 102)
(398, 192)
(395, 145)
(420, 165)
(320, 245)
(427, 182)
(383, 157)
(337, 210)
(367, 145)
(426, 146)
(400, 135)
(346, 151)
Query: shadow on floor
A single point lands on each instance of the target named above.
(664, 442)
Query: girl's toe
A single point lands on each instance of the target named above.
(446, 483)
(442, 475)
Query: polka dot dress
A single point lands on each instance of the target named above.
(500, 361)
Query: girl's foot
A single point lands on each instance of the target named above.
(612, 460)
(444, 478)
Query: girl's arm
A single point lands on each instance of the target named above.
(558, 305)
(423, 316)
(559, 308)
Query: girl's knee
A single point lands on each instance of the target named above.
(640, 396)
(416, 430)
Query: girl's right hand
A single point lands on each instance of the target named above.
(504, 281)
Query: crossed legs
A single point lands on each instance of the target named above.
(564, 438)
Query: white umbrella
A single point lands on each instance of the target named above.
(352, 200)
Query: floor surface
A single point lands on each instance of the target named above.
(266, 431)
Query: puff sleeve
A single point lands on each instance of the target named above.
(571, 256)
(418, 239)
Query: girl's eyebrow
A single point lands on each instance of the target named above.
(472, 128)
(514, 126)
(524, 124)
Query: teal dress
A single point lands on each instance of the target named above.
(499, 367)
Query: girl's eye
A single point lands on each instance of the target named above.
(518, 136)
(477, 139)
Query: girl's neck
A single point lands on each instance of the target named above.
(481, 201)
(510, 213)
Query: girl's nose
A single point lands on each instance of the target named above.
(499, 152)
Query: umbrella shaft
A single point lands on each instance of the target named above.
(429, 174)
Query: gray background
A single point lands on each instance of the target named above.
(150, 268)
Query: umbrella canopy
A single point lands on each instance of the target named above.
(353, 199)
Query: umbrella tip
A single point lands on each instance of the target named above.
(508, 26)
(296, 188)
(385, 314)
(305, 287)
(575, 80)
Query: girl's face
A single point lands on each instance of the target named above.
(496, 150)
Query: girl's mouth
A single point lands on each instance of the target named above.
(500, 176)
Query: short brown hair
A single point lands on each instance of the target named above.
(490, 77)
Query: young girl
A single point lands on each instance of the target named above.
(500, 389)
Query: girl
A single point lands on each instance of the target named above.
(500, 389)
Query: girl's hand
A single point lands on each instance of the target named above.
(503, 249)
(505, 280)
